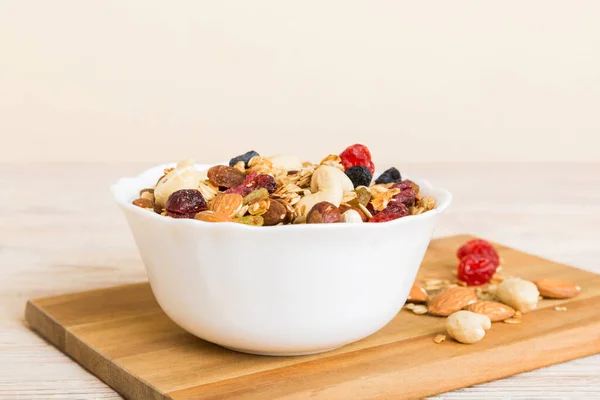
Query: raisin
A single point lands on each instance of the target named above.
(480, 247)
(391, 212)
(357, 154)
(475, 269)
(185, 203)
(359, 175)
(246, 157)
(224, 176)
(391, 175)
(254, 220)
(253, 182)
(256, 194)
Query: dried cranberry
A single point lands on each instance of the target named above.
(408, 197)
(371, 209)
(479, 247)
(406, 184)
(267, 182)
(476, 269)
(185, 203)
(396, 207)
(391, 212)
(253, 182)
(389, 175)
(357, 154)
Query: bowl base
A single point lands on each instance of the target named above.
(280, 354)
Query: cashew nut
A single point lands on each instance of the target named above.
(518, 293)
(289, 163)
(467, 327)
(327, 184)
(334, 196)
(184, 176)
(351, 216)
(325, 177)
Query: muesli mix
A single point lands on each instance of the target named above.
(279, 190)
(480, 294)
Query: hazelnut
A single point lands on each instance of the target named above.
(275, 214)
(323, 213)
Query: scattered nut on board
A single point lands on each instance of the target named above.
(494, 310)
(518, 293)
(555, 289)
(451, 300)
(467, 327)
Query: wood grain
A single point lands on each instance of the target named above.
(121, 335)
(61, 232)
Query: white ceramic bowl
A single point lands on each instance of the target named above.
(282, 290)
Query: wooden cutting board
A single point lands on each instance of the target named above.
(121, 335)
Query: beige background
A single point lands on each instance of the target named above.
(416, 81)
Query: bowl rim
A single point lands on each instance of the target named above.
(124, 186)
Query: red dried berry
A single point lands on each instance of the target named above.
(185, 203)
(479, 247)
(408, 197)
(267, 182)
(253, 182)
(476, 269)
(406, 184)
(397, 210)
(357, 154)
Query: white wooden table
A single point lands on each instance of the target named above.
(60, 232)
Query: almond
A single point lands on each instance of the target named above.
(227, 203)
(417, 294)
(494, 310)
(451, 300)
(144, 203)
(212, 216)
(555, 289)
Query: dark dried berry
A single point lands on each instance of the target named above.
(359, 175)
(391, 212)
(253, 182)
(357, 154)
(185, 203)
(391, 175)
(476, 269)
(224, 176)
(246, 157)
